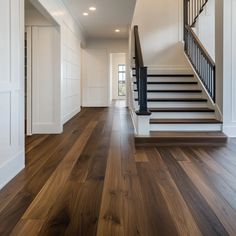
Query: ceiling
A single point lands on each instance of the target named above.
(110, 15)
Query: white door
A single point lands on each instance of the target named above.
(46, 106)
(11, 89)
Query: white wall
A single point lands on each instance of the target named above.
(205, 27)
(46, 113)
(95, 72)
(229, 81)
(116, 60)
(71, 39)
(160, 25)
(44, 78)
(11, 89)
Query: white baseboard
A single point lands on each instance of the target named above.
(42, 128)
(95, 105)
(11, 168)
(230, 130)
(71, 115)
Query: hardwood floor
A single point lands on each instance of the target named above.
(90, 180)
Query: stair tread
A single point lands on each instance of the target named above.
(180, 138)
(185, 109)
(185, 121)
(170, 75)
(173, 91)
(172, 82)
(175, 100)
(176, 134)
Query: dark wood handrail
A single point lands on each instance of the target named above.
(138, 50)
(200, 45)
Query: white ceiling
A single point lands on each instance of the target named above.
(110, 15)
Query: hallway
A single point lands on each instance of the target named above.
(90, 180)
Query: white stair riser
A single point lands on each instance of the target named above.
(175, 104)
(186, 127)
(168, 79)
(172, 95)
(169, 86)
(183, 115)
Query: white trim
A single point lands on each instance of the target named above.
(11, 168)
(71, 115)
(134, 120)
(29, 82)
(230, 130)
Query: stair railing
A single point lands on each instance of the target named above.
(194, 49)
(195, 8)
(141, 75)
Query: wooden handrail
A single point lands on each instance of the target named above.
(138, 50)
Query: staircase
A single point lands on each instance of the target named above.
(180, 114)
(177, 108)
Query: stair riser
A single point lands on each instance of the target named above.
(169, 86)
(185, 127)
(171, 95)
(183, 115)
(175, 104)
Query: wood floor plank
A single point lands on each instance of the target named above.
(213, 179)
(36, 159)
(178, 208)
(140, 155)
(214, 166)
(222, 209)
(35, 143)
(157, 212)
(110, 219)
(134, 212)
(42, 203)
(27, 227)
(32, 179)
(206, 219)
(90, 181)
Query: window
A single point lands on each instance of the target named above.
(121, 80)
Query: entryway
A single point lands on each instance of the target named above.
(118, 76)
(42, 72)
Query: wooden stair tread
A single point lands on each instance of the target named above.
(173, 91)
(172, 82)
(181, 138)
(175, 100)
(170, 75)
(185, 109)
(162, 134)
(185, 121)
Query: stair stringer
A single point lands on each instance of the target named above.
(211, 104)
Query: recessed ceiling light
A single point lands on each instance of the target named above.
(85, 14)
(117, 30)
(92, 8)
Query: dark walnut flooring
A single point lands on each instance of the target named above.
(90, 180)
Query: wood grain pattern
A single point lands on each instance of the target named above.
(91, 180)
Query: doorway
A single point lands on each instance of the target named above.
(118, 76)
(42, 72)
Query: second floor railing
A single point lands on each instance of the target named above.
(196, 52)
